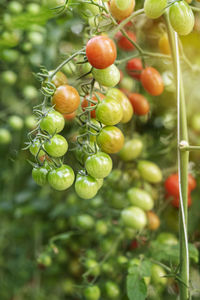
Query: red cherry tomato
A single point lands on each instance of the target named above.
(124, 43)
(101, 52)
(140, 104)
(134, 68)
(84, 103)
(172, 186)
(176, 201)
(152, 81)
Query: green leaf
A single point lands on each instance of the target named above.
(136, 287)
(145, 268)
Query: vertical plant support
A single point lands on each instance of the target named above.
(183, 159)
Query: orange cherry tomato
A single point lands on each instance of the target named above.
(164, 45)
(84, 104)
(153, 220)
(70, 117)
(121, 9)
(124, 43)
(134, 68)
(152, 81)
(140, 104)
(66, 99)
(59, 79)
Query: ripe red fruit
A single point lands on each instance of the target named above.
(101, 52)
(124, 43)
(176, 201)
(152, 81)
(191, 182)
(134, 68)
(172, 186)
(140, 104)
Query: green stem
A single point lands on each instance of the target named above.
(183, 158)
(191, 148)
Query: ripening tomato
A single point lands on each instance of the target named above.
(112, 290)
(152, 81)
(154, 9)
(181, 17)
(109, 111)
(164, 45)
(40, 175)
(70, 117)
(85, 103)
(134, 217)
(153, 221)
(149, 171)
(86, 186)
(110, 139)
(66, 99)
(140, 104)
(101, 52)
(140, 198)
(99, 165)
(61, 178)
(121, 9)
(53, 122)
(134, 68)
(124, 43)
(131, 149)
(57, 146)
(59, 79)
(121, 98)
(108, 77)
(92, 293)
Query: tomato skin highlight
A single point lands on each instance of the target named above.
(57, 146)
(110, 139)
(154, 9)
(85, 103)
(108, 77)
(134, 68)
(120, 13)
(101, 52)
(109, 111)
(61, 178)
(99, 165)
(40, 175)
(86, 186)
(149, 171)
(125, 44)
(66, 99)
(134, 217)
(152, 81)
(53, 122)
(140, 104)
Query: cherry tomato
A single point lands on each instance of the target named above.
(140, 198)
(40, 175)
(57, 146)
(191, 182)
(101, 52)
(66, 99)
(85, 221)
(16, 122)
(108, 77)
(124, 43)
(157, 275)
(134, 217)
(167, 238)
(61, 178)
(99, 165)
(5, 136)
(92, 293)
(149, 171)
(34, 148)
(101, 227)
(131, 150)
(93, 266)
(84, 103)
(195, 122)
(15, 7)
(176, 201)
(121, 98)
(172, 184)
(153, 221)
(109, 111)
(70, 117)
(86, 186)
(121, 9)
(140, 104)
(59, 79)
(112, 290)
(152, 81)
(53, 122)
(154, 9)
(9, 77)
(127, 84)
(164, 45)
(181, 17)
(134, 68)
(110, 139)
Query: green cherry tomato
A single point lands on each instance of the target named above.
(61, 178)
(109, 111)
(40, 175)
(30, 122)
(157, 275)
(112, 290)
(140, 198)
(93, 266)
(44, 260)
(9, 77)
(5, 136)
(15, 7)
(92, 293)
(53, 122)
(120, 97)
(57, 146)
(110, 139)
(85, 221)
(99, 182)
(86, 186)
(127, 83)
(154, 9)
(149, 171)
(195, 122)
(108, 77)
(30, 92)
(34, 148)
(99, 165)
(134, 217)
(101, 227)
(167, 238)
(10, 55)
(181, 17)
(131, 150)
(16, 123)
